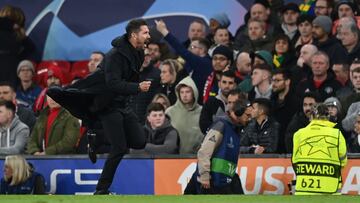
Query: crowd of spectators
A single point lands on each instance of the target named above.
(284, 59)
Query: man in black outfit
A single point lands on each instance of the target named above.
(121, 66)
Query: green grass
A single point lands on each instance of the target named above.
(176, 199)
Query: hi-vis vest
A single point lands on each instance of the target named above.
(224, 161)
(319, 153)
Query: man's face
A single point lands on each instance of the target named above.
(196, 30)
(94, 61)
(305, 28)
(226, 84)
(256, 110)
(154, 52)
(357, 125)
(306, 53)
(5, 115)
(244, 119)
(52, 80)
(255, 30)
(165, 75)
(281, 46)
(258, 76)
(156, 119)
(355, 79)
(231, 99)
(308, 105)
(319, 65)
(186, 95)
(345, 10)
(243, 63)
(290, 17)
(219, 62)
(278, 83)
(197, 48)
(333, 111)
(6, 93)
(142, 37)
(340, 73)
(25, 74)
(321, 8)
(347, 37)
(317, 32)
(258, 12)
(222, 37)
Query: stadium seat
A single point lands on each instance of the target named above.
(41, 71)
(79, 69)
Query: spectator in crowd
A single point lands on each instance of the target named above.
(20, 177)
(322, 81)
(262, 133)
(350, 118)
(346, 9)
(95, 58)
(14, 134)
(25, 115)
(169, 78)
(284, 103)
(153, 50)
(148, 72)
(216, 21)
(352, 95)
(234, 95)
(283, 53)
(303, 69)
(243, 67)
(185, 114)
(290, 14)
(217, 104)
(324, 7)
(161, 136)
(354, 142)
(55, 77)
(221, 37)
(342, 73)
(27, 91)
(349, 36)
(330, 45)
(56, 131)
(258, 57)
(258, 39)
(161, 99)
(335, 112)
(219, 152)
(304, 24)
(300, 119)
(261, 81)
(197, 29)
(198, 62)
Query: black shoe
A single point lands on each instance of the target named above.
(91, 147)
(102, 192)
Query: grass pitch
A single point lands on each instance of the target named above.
(175, 199)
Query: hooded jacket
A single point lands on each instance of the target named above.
(186, 121)
(14, 139)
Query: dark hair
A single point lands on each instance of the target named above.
(240, 106)
(263, 66)
(134, 26)
(313, 95)
(8, 105)
(237, 92)
(285, 73)
(98, 52)
(228, 73)
(221, 28)
(202, 41)
(9, 84)
(286, 38)
(264, 104)
(356, 70)
(303, 18)
(154, 107)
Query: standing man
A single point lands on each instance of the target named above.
(121, 67)
(319, 154)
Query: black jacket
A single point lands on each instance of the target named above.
(299, 120)
(265, 135)
(209, 110)
(336, 52)
(353, 145)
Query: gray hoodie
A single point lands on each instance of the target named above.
(14, 139)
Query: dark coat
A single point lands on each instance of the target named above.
(209, 110)
(265, 135)
(336, 52)
(353, 144)
(355, 53)
(298, 121)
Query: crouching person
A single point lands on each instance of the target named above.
(219, 152)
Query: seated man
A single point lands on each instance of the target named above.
(161, 136)
(13, 133)
(262, 133)
(354, 142)
(56, 131)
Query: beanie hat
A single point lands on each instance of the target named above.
(55, 71)
(324, 22)
(290, 6)
(333, 101)
(222, 19)
(349, 3)
(225, 51)
(264, 55)
(27, 64)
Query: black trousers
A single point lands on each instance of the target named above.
(122, 129)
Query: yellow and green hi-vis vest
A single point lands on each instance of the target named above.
(319, 153)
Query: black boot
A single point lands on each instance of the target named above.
(91, 136)
(102, 192)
